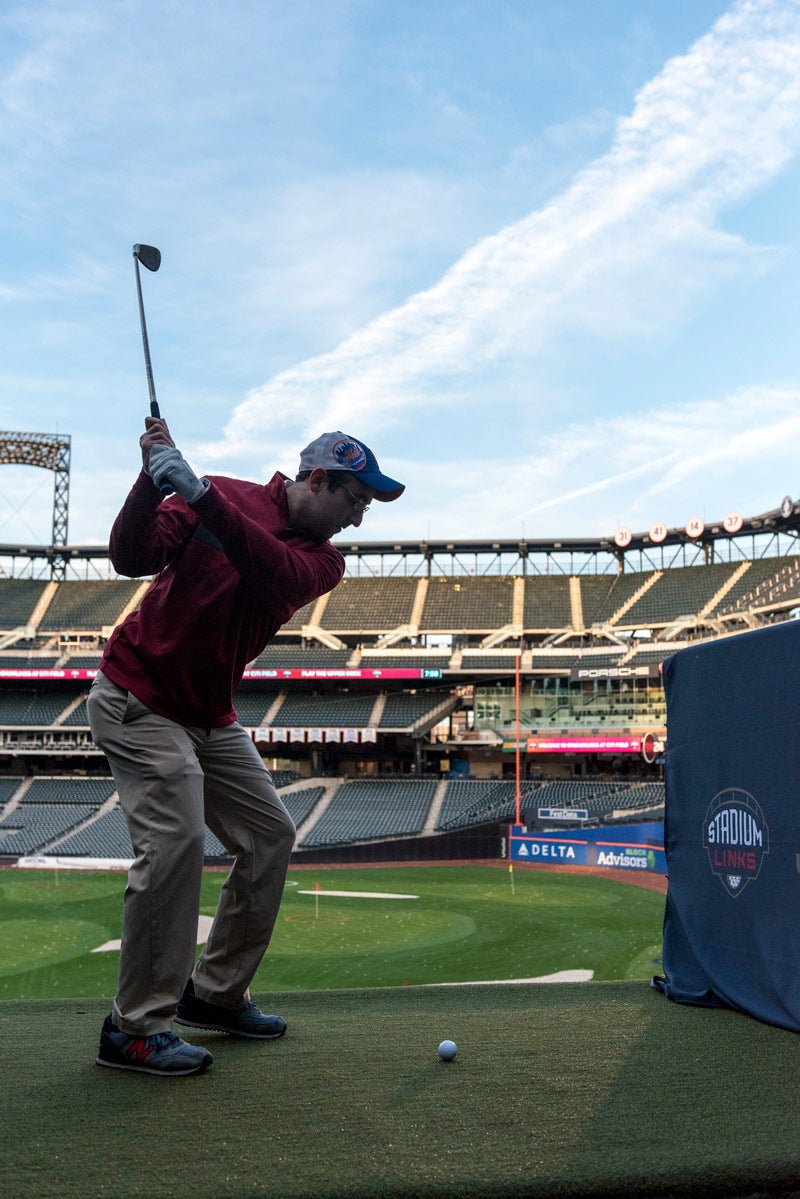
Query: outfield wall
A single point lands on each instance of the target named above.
(619, 847)
(476, 842)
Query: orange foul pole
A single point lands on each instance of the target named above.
(516, 705)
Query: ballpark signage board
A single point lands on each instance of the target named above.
(644, 670)
(619, 847)
(583, 745)
(563, 813)
(392, 672)
(49, 672)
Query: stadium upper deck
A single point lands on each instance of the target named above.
(413, 659)
(366, 615)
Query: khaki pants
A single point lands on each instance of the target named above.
(172, 781)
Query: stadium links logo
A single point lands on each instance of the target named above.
(736, 837)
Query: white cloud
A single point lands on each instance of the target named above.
(626, 250)
(585, 480)
(321, 255)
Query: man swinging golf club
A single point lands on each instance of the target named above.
(232, 561)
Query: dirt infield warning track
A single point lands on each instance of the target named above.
(635, 878)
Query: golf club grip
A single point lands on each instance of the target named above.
(165, 488)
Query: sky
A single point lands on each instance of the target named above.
(542, 257)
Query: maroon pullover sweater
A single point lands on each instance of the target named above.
(228, 573)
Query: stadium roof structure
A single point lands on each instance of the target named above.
(770, 534)
(706, 542)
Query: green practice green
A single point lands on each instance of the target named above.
(398, 926)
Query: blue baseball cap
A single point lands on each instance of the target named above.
(340, 451)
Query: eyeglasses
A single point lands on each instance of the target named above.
(359, 503)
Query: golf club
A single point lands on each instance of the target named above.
(149, 257)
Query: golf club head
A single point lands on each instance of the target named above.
(149, 256)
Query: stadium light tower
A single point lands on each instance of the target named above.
(51, 452)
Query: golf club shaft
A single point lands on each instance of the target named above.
(154, 409)
(152, 263)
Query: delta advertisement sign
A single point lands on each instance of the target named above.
(625, 847)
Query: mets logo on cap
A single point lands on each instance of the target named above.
(349, 454)
(736, 837)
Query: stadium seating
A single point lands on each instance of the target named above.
(284, 778)
(404, 709)
(48, 808)
(252, 706)
(301, 803)
(367, 810)
(554, 662)
(69, 789)
(89, 606)
(300, 709)
(7, 788)
(466, 603)
(18, 600)
(28, 661)
(497, 801)
(565, 659)
(653, 653)
(640, 796)
(599, 799)
(77, 718)
(38, 707)
(364, 605)
(105, 837)
(464, 797)
(547, 603)
(301, 617)
(764, 582)
(680, 591)
(489, 660)
(404, 659)
(212, 846)
(603, 595)
(298, 657)
(32, 827)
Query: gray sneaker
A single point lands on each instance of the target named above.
(245, 1021)
(163, 1053)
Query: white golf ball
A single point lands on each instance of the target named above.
(448, 1050)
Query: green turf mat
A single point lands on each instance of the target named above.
(560, 1089)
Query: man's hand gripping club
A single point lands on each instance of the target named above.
(166, 465)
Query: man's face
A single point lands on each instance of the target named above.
(322, 513)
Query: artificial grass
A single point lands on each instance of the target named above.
(563, 1089)
(467, 924)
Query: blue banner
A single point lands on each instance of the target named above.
(732, 825)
